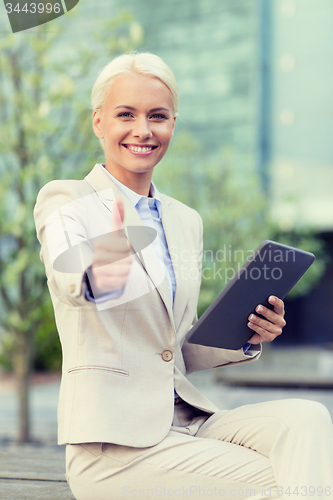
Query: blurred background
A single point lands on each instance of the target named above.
(252, 152)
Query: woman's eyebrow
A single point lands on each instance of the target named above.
(151, 111)
(123, 106)
(159, 109)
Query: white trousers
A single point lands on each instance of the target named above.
(279, 449)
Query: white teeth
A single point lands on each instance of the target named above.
(138, 149)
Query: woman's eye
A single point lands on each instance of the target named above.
(125, 114)
(158, 116)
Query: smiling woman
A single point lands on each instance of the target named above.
(132, 422)
(136, 124)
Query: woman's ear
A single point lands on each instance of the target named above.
(173, 125)
(97, 123)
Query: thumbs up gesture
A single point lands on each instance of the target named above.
(112, 259)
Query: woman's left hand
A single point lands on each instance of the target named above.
(269, 328)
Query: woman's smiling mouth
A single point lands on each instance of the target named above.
(140, 150)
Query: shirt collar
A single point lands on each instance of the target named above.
(134, 197)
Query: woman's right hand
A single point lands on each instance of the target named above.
(112, 259)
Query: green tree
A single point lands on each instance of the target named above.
(45, 133)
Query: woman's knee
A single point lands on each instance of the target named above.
(307, 412)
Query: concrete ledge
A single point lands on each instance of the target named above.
(291, 368)
(275, 381)
(12, 489)
(33, 473)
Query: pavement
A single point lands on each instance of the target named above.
(294, 373)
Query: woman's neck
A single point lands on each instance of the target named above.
(137, 182)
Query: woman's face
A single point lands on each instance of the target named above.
(137, 124)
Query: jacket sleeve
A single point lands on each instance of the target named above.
(60, 220)
(198, 357)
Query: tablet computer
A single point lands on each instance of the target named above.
(272, 269)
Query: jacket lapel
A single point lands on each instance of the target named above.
(107, 191)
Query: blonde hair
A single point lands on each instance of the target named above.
(143, 63)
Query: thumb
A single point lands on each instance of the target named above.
(117, 215)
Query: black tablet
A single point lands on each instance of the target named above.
(273, 269)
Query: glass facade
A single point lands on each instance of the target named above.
(302, 115)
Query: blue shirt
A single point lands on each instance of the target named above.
(149, 210)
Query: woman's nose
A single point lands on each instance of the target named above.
(142, 128)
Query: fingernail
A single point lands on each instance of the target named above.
(252, 317)
(271, 299)
(260, 309)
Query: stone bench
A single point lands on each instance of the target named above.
(33, 473)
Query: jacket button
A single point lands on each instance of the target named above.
(167, 355)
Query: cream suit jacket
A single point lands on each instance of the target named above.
(122, 358)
